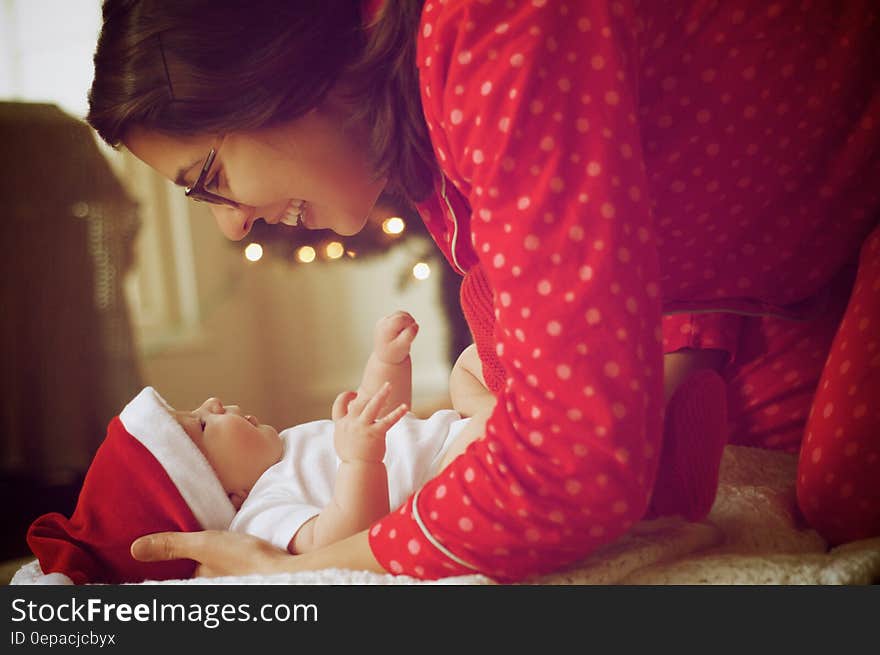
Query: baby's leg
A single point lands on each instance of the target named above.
(838, 483)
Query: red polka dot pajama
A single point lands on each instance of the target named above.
(624, 179)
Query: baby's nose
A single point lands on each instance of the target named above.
(233, 409)
(213, 406)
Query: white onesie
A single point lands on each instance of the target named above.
(299, 486)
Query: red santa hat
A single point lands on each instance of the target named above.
(147, 476)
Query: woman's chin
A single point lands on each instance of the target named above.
(347, 225)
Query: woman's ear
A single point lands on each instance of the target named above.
(237, 498)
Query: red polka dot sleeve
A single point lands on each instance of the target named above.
(531, 110)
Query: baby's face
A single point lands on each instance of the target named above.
(238, 447)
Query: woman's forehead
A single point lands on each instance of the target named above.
(177, 158)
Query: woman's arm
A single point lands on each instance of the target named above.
(544, 166)
(221, 553)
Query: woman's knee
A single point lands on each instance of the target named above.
(838, 488)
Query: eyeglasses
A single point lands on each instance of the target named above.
(198, 191)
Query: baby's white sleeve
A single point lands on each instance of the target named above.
(273, 515)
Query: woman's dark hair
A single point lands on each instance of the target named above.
(186, 67)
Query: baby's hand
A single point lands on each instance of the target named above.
(358, 435)
(393, 337)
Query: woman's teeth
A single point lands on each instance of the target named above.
(294, 212)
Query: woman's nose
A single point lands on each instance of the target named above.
(234, 222)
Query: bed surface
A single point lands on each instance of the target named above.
(753, 535)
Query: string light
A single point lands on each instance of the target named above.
(393, 225)
(306, 254)
(334, 250)
(253, 252)
(421, 271)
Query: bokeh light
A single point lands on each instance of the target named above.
(306, 254)
(253, 252)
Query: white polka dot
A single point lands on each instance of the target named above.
(394, 565)
(464, 57)
(465, 524)
(563, 371)
(544, 287)
(593, 316)
(554, 328)
(517, 60)
(523, 202)
(478, 156)
(456, 116)
(440, 491)
(413, 546)
(612, 369)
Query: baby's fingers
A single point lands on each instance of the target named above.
(374, 405)
(341, 404)
(407, 334)
(386, 422)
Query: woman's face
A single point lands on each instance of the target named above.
(310, 162)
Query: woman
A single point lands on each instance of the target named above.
(585, 166)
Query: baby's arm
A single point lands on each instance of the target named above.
(390, 360)
(360, 492)
(467, 388)
(470, 398)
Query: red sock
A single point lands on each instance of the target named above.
(694, 435)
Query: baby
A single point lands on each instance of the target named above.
(160, 469)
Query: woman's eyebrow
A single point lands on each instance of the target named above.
(180, 180)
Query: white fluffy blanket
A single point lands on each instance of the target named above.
(752, 536)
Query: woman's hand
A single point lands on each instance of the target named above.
(232, 553)
(217, 552)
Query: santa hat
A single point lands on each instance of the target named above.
(147, 476)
